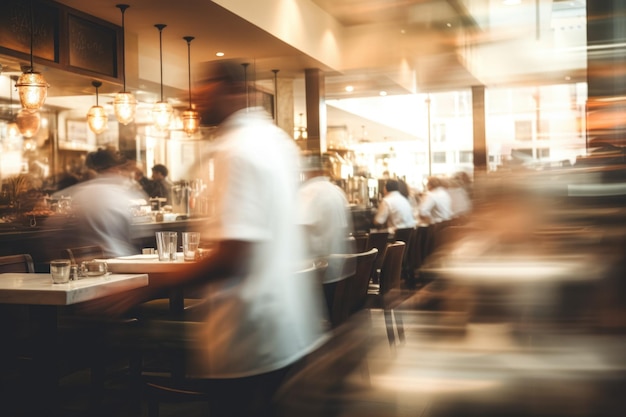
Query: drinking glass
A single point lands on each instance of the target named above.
(60, 271)
(191, 240)
(166, 245)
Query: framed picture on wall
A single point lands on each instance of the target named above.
(77, 136)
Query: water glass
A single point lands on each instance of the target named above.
(60, 271)
(166, 245)
(191, 240)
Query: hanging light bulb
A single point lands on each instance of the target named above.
(191, 118)
(12, 129)
(97, 118)
(124, 103)
(28, 122)
(31, 85)
(162, 110)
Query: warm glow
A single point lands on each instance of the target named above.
(349, 88)
(191, 121)
(97, 119)
(28, 122)
(162, 115)
(13, 130)
(33, 89)
(124, 106)
(219, 54)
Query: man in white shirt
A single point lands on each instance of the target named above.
(394, 211)
(436, 205)
(325, 218)
(261, 316)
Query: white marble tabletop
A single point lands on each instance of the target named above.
(38, 289)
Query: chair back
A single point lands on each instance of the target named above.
(378, 240)
(391, 272)
(14, 319)
(361, 242)
(81, 254)
(17, 263)
(403, 235)
(349, 295)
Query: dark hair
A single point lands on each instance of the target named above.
(392, 185)
(232, 71)
(161, 169)
(104, 159)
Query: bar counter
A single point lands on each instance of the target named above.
(46, 239)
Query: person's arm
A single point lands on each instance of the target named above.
(426, 207)
(380, 219)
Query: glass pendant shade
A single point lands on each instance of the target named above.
(124, 106)
(33, 90)
(162, 115)
(191, 118)
(191, 121)
(124, 103)
(97, 119)
(28, 122)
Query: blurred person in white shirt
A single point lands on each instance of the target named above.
(324, 215)
(260, 316)
(101, 205)
(394, 210)
(436, 204)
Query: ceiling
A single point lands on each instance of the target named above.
(217, 29)
(380, 40)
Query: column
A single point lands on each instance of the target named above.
(606, 64)
(315, 90)
(480, 141)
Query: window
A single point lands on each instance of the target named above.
(523, 130)
(439, 157)
(466, 157)
(439, 132)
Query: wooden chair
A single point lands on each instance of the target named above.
(361, 242)
(403, 235)
(378, 240)
(388, 294)
(406, 235)
(81, 254)
(349, 295)
(14, 319)
(17, 263)
(171, 338)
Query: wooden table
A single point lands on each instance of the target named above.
(150, 264)
(44, 298)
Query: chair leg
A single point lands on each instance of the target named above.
(397, 315)
(389, 326)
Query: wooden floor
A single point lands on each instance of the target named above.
(447, 366)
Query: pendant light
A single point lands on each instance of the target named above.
(124, 103)
(28, 122)
(12, 129)
(162, 110)
(97, 118)
(191, 118)
(31, 85)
